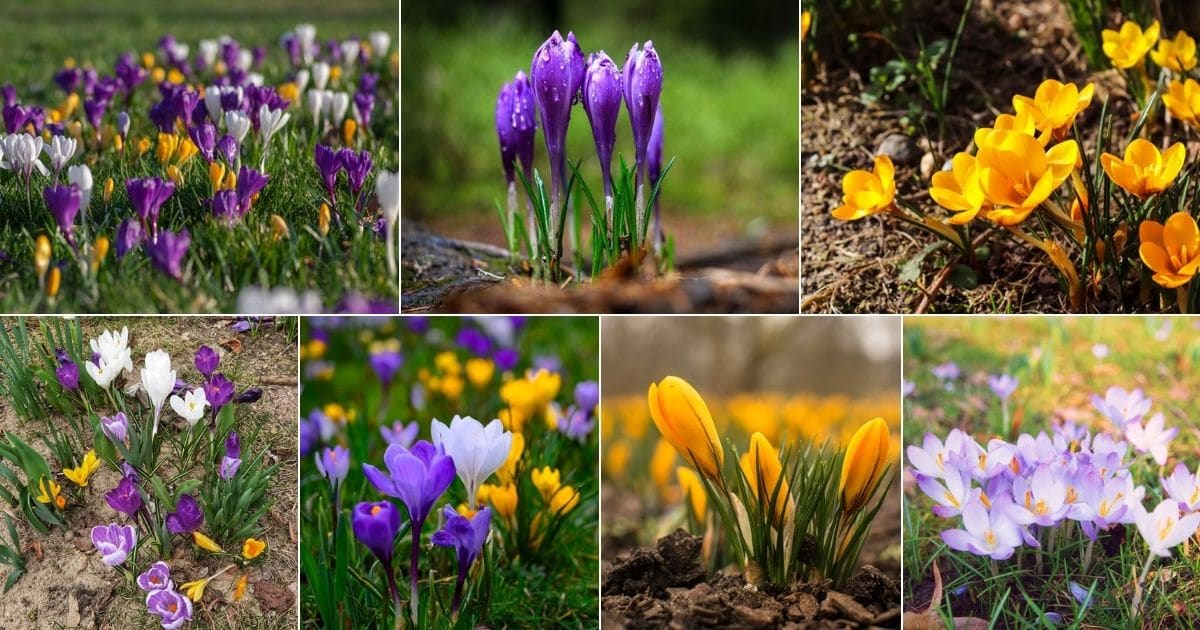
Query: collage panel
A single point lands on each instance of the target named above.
(749, 472)
(200, 157)
(148, 472)
(448, 473)
(1051, 472)
(569, 160)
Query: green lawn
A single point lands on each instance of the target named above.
(350, 260)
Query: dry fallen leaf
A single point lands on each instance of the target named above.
(232, 344)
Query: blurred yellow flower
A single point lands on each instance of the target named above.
(684, 420)
(520, 396)
(337, 413)
(289, 91)
(693, 489)
(349, 128)
(545, 386)
(1171, 250)
(868, 192)
(1127, 47)
(508, 469)
(504, 500)
(1144, 171)
(452, 387)
(564, 500)
(1182, 99)
(99, 251)
(805, 24)
(480, 372)
(447, 363)
(239, 587)
(279, 228)
(547, 480)
(1178, 54)
(53, 281)
(616, 458)
(662, 462)
(108, 190)
(764, 473)
(323, 217)
(864, 463)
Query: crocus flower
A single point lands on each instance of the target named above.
(764, 474)
(81, 176)
(191, 406)
(60, 150)
(249, 183)
(557, 73)
(654, 152)
(63, 203)
(1184, 487)
(587, 395)
(129, 237)
(204, 136)
(576, 424)
(951, 493)
(643, 77)
(1122, 407)
(602, 91)
(219, 391)
(114, 542)
(516, 126)
(125, 498)
(187, 516)
(270, 121)
(357, 166)
(237, 124)
(233, 454)
(1104, 503)
(21, 153)
(253, 548)
(1145, 171)
(334, 463)
(68, 376)
(1054, 106)
(985, 533)
(147, 197)
(328, 166)
(1170, 249)
(477, 450)
(207, 361)
(250, 395)
(168, 251)
(1002, 385)
(400, 433)
(115, 427)
(156, 578)
(158, 379)
(1043, 497)
(863, 465)
(1022, 173)
(467, 536)
(946, 371)
(1165, 527)
(1151, 438)
(867, 192)
(385, 362)
(170, 607)
(684, 420)
(1127, 47)
(375, 525)
(934, 458)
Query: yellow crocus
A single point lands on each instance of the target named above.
(206, 543)
(764, 474)
(99, 251)
(545, 386)
(194, 590)
(1054, 106)
(175, 175)
(80, 474)
(143, 145)
(1182, 99)
(508, 469)
(185, 150)
(480, 372)
(864, 463)
(1017, 174)
(147, 60)
(349, 128)
(216, 173)
(616, 458)
(1144, 171)
(447, 362)
(1178, 54)
(519, 395)
(684, 420)
(547, 480)
(958, 189)
(41, 255)
(693, 488)
(253, 548)
(50, 492)
(108, 190)
(279, 228)
(1171, 250)
(1127, 47)
(289, 91)
(230, 182)
(323, 217)
(175, 76)
(165, 148)
(53, 282)
(504, 500)
(868, 192)
(452, 387)
(662, 462)
(158, 75)
(564, 500)
(805, 24)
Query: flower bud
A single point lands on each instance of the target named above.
(763, 470)
(557, 74)
(516, 126)
(602, 103)
(863, 464)
(41, 255)
(643, 78)
(682, 417)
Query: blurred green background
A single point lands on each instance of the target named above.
(730, 102)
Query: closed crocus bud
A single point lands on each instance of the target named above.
(864, 463)
(557, 74)
(602, 102)
(763, 472)
(684, 420)
(643, 78)
(516, 125)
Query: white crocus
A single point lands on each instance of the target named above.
(60, 150)
(180, 50)
(237, 124)
(301, 79)
(306, 34)
(245, 59)
(350, 50)
(320, 74)
(387, 189)
(158, 379)
(191, 406)
(102, 373)
(113, 349)
(380, 42)
(338, 105)
(255, 78)
(21, 153)
(208, 51)
(270, 121)
(314, 101)
(1165, 527)
(477, 450)
(212, 102)
(81, 176)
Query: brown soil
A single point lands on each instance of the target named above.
(65, 585)
(1007, 48)
(449, 275)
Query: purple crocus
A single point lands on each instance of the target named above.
(68, 79)
(204, 136)
(375, 525)
(68, 375)
(945, 372)
(224, 205)
(147, 196)
(310, 434)
(219, 391)
(156, 578)
(985, 533)
(116, 428)
(125, 498)
(357, 166)
(654, 161)
(400, 433)
(250, 395)
(467, 536)
(170, 607)
(385, 362)
(587, 395)
(557, 74)
(129, 237)
(333, 462)
(114, 542)
(167, 253)
(576, 424)
(187, 516)
(364, 102)
(1002, 385)
(249, 183)
(228, 146)
(328, 166)
(516, 126)
(418, 476)
(93, 110)
(1184, 487)
(207, 361)
(506, 359)
(63, 202)
(1122, 407)
(474, 341)
(643, 78)
(233, 454)
(602, 103)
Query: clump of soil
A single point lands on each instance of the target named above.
(664, 586)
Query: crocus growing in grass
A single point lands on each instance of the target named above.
(147, 197)
(375, 525)
(84, 470)
(207, 361)
(417, 476)
(643, 78)
(187, 516)
(1151, 438)
(1183, 487)
(63, 203)
(477, 450)
(951, 493)
(1122, 407)
(191, 406)
(1002, 385)
(466, 536)
(167, 253)
(557, 74)
(685, 421)
(156, 578)
(864, 464)
(400, 433)
(602, 91)
(328, 166)
(985, 533)
(114, 542)
(333, 462)
(1144, 171)
(219, 391)
(233, 456)
(115, 427)
(357, 166)
(170, 607)
(385, 361)
(1162, 529)
(125, 498)
(68, 375)
(764, 474)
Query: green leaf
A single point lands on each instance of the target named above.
(911, 269)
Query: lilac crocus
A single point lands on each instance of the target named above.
(168, 251)
(985, 533)
(1122, 407)
(1184, 487)
(557, 74)
(63, 203)
(375, 525)
(156, 578)
(207, 361)
(129, 237)
(400, 433)
(576, 424)
(950, 495)
(147, 196)
(187, 516)
(385, 362)
(418, 476)
(1104, 503)
(1043, 498)
(114, 542)
(310, 434)
(1151, 438)
(947, 371)
(204, 136)
(357, 166)
(935, 458)
(233, 456)
(1002, 385)
(516, 127)
(228, 146)
(68, 375)
(602, 91)
(466, 536)
(587, 395)
(643, 82)
(125, 498)
(333, 463)
(328, 166)
(172, 609)
(116, 428)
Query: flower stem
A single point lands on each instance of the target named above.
(1137, 586)
(413, 567)
(458, 590)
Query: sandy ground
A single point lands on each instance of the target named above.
(67, 586)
